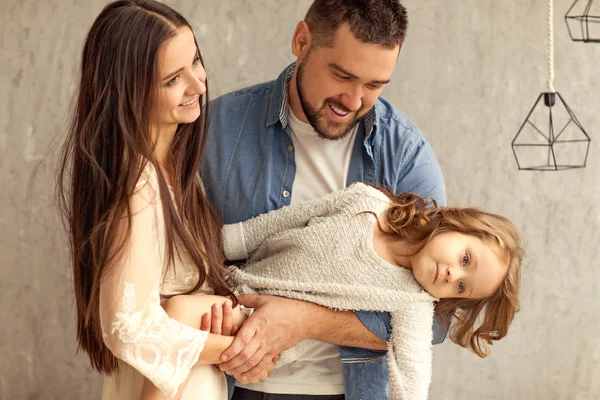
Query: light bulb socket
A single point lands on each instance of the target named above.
(549, 99)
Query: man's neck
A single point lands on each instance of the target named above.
(294, 99)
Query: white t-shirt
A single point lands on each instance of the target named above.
(322, 167)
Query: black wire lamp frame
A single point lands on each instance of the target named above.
(581, 23)
(554, 138)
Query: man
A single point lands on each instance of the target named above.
(316, 129)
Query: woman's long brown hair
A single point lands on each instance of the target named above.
(410, 218)
(106, 149)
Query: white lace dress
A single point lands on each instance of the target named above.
(136, 328)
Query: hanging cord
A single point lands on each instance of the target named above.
(551, 46)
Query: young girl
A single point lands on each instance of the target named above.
(366, 249)
(140, 228)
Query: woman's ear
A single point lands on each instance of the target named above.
(302, 39)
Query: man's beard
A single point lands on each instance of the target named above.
(318, 118)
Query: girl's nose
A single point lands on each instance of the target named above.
(453, 274)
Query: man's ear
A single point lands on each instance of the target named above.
(302, 40)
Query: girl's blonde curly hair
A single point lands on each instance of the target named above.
(411, 218)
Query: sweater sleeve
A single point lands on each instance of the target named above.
(242, 239)
(409, 352)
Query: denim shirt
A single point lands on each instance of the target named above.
(249, 169)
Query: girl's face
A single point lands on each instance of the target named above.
(182, 81)
(453, 264)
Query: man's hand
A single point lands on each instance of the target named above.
(264, 374)
(220, 322)
(276, 325)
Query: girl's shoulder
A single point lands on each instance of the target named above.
(367, 194)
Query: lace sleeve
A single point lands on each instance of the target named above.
(135, 327)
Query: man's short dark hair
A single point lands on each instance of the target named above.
(381, 22)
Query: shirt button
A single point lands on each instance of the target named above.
(286, 194)
(290, 148)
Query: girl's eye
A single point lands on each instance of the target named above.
(173, 81)
(343, 78)
(196, 61)
(461, 287)
(465, 260)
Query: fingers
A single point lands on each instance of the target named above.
(245, 360)
(205, 322)
(244, 378)
(227, 323)
(261, 371)
(242, 338)
(253, 354)
(264, 375)
(217, 319)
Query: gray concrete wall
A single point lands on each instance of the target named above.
(468, 74)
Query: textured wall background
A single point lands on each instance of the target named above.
(468, 74)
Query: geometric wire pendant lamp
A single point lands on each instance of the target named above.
(551, 138)
(583, 21)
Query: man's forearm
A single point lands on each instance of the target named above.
(340, 327)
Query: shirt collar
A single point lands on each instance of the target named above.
(279, 106)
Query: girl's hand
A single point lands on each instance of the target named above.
(221, 319)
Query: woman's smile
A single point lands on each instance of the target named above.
(191, 103)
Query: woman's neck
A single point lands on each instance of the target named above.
(163, 137)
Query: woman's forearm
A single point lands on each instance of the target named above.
(213, 347)
(189, 310)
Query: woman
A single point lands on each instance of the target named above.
(140, 228)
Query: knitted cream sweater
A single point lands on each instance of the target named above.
(322, 251)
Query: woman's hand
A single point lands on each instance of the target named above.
(220, 320)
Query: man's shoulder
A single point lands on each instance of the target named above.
(393, 121)
(243, 108)
(388, 115)
(245, 95)
(401, 140)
